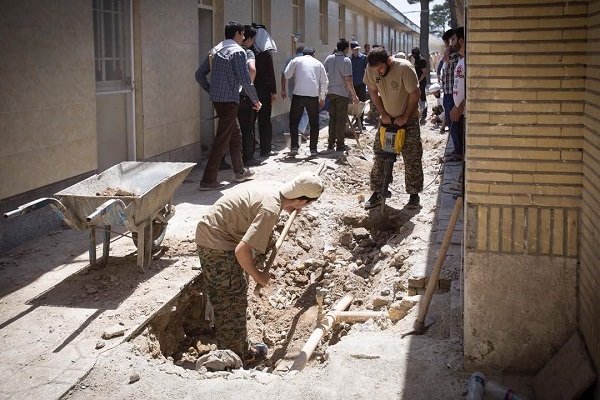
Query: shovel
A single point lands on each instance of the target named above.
(420, 326)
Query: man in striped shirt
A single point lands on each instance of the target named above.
(226, 63)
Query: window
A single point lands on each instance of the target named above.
(323, 20)
(342, 21)
(298, 19)
(111, 44)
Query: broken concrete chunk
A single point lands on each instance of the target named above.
(360, 233)
(134, 377)
(219, 360)
(346, 239)
(387, 250)
(380, 301)
(99, 345)
(113, 331)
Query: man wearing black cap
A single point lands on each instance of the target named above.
(359, 65)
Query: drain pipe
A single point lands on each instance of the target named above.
(358, 316)
(324, 326)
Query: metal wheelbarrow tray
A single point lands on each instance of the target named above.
(138, 195)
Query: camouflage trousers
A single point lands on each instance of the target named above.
(226, 284)
(412, 154)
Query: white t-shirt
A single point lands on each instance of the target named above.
(459, 82)
(310, 78)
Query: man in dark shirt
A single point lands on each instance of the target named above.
(266, 86)
(359, 65)
(422, 70)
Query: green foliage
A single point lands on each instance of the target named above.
(439, 18)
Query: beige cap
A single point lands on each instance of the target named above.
(304, 184)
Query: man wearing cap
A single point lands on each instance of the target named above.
(394, 89)
(309, 92)
(229, 235)
(359, 66)
(437, 112)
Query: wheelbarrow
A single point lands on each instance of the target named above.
(137, 195)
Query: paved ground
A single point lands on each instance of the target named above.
(54, 310)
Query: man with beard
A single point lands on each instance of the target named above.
(394, 89)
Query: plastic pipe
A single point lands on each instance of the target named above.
(324, 326)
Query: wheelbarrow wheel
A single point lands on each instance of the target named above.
(159, 229)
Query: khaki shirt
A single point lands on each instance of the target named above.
(247, 213)
(394, 88)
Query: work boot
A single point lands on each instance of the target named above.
(413, 201)
(374, 201)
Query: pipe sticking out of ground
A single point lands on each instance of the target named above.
(324, 326)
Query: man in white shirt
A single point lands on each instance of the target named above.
(310, 88)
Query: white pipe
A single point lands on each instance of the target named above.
(324, 326)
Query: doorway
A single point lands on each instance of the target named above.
(114, 82)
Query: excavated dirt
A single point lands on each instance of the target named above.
(334, 247)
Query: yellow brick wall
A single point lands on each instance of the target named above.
(525, 128)
(589, 277)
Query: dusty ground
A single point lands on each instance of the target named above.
(334, 247)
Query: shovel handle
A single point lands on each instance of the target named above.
(284, 232)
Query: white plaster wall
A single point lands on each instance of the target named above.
(169, 57)
(519, 310)
(47, 93)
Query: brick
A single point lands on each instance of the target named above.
(519, 229)
(482, 224)
(571, 155)
(420, 282)
(490, 176)
(490, 107)
(558, 201)
(558, 232)
(494, 229)
(572, 231)
(532, 230)
(522, 165)
(507, 224)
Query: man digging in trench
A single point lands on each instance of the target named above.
(229, 236)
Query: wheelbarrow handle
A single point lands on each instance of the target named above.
(32, 206)
(105, 208)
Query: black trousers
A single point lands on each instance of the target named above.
(299, 103)
(246, 117)
(265, 128)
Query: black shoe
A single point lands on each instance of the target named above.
(224, 165)
(252, 163)
(374, 201)
(413, 201)
(343, 148)
(293, 152)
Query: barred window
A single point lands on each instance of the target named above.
(111, 45)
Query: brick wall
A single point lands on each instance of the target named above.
(526, 134)
(589, 277)
(526, 68)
